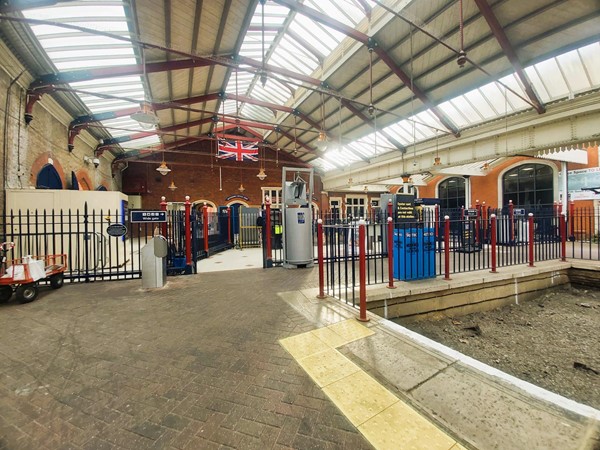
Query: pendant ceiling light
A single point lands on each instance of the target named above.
(172, 186)
(263, 71)
(322, 139)
(295, 152)
(462, 54)
(437, 160)
(371, 108)
(145, 116)
(163, 169)
(241, 188)
(261, 172)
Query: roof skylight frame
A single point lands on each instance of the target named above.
(105, 16)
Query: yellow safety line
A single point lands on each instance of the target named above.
(383, 419)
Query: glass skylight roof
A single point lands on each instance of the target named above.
(72, 50)
(300, 48)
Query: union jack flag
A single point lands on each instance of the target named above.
(238, 150)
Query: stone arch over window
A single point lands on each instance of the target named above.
(200, 204)
(48, 178)
(528, 185)
(452, 193)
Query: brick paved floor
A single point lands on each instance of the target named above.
(196, 365)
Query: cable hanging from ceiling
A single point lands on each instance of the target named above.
(145, 116)
(263, 70)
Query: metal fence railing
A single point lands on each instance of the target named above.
(436, 246)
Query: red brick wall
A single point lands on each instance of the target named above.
(201, 181)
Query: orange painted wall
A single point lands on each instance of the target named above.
(485, 189)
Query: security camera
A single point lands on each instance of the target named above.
(96, 162)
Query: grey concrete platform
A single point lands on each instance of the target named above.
(198, 365)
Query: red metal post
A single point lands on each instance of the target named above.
(163, 207)
(530, 239)
(511, 221)
(484, 221)
(188, 236)
(229, 225)
(493, 242)
(446, 247)
(390, 249)
(205, 227)
(268, 231)
(362, 254)
(321, 259)
(572, 220)
(563, 237)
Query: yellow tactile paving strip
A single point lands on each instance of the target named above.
(384, 420)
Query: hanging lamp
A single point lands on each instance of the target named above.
(437, 160)
(461, 59)
(145, 116)
(163, 169)
(172, 186)
(322, 139)
(263, 71)
(261, 172)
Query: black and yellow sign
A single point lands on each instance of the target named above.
(405, 208)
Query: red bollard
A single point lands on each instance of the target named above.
(163, 207)
(205, 227)
(362, 271)
(390, 244)
(446, 247)
(321, 259)
(563, 237)
(188, 236)
(229, 225)
(531, 240)
(493, 242)
(268, 232)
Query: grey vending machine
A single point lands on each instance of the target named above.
(298, 247)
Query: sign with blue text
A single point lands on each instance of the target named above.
(148, 216)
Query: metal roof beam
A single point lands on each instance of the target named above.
(264, 104)
(383, 55)
(500, 35)
(368, 120)
(115, 71)
(9, 6)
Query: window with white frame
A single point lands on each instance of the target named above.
(274, 194)
(356, 206)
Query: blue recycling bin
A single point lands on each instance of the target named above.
(414, 253)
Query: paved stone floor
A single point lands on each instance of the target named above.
(195, 365)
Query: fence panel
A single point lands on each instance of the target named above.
(91, 253)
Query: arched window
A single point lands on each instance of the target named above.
(528, 186)
(48, 178)
(451, 193)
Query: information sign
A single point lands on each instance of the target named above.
(148, 216)
(405, 208)
(116, 230)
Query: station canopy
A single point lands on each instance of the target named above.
(332, 82)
